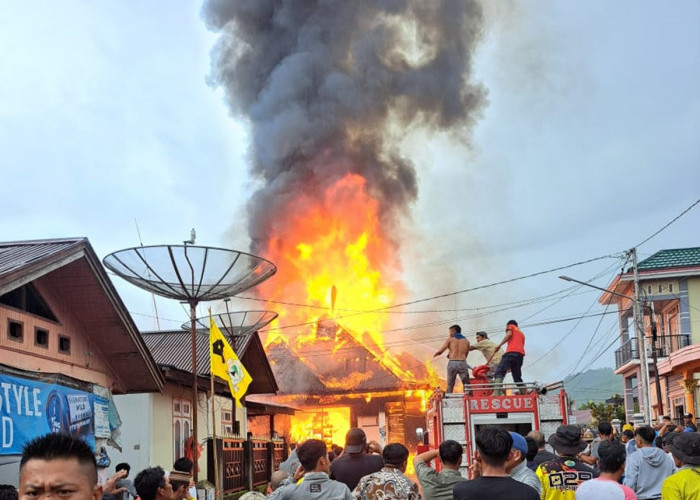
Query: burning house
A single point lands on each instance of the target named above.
(336, 382)
(329, 91)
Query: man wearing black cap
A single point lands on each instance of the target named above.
(560, 477)
(688, 423)
(356, 462)
(684, 484)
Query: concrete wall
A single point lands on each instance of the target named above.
(694, 309)
(147, 430)
(137, 425)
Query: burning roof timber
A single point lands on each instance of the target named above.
(334, 362)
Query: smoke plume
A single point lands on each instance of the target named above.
(330, 86)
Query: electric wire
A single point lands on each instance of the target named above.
(663, 228)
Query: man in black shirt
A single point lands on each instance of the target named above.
(542, 454)
(493, 447)
(356, 462)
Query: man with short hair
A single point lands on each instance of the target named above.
(493, 447)
(647, 467)
(276, 479)
(517, 465)
(684, 484)
(542, 454)
(492, 354)
(531, 453)
(356, 462)
(560, 477)
(605, 433)
(316, 485)
(180, 482)
(513, 358)
(8, 492)
(457, 347)
(153, 484)
(627, 439)
(439, 485)
(390, 483)
(611, 460)
(184, 464)
(130, 491)
(54, 464)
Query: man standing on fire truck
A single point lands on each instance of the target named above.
(512, 359)
(488, 349)
(457, 347)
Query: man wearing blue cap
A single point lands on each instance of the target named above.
(518, 465)
(457, 347)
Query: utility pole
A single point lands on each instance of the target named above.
(645, 393)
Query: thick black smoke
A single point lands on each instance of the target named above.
(329, 87)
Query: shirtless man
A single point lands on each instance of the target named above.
(457, 347)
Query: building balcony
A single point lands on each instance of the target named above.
(665, 345)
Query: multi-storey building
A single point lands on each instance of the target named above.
(669, 285)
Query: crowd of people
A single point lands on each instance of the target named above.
(664, 464)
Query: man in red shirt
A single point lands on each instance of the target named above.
(513, 357)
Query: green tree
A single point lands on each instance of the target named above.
(606, 412)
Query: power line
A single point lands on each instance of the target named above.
(670, 222)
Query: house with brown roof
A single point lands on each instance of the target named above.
(669, 283)
(156, 427)
(67, 344)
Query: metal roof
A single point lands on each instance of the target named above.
(172, 348)
(672, 258)
(70, 267)
(17, 255)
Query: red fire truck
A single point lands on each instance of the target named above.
(460, 416)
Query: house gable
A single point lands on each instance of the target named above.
(91, 338)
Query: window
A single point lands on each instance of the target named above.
(41, 337)
(670, 288)
(63, 344)
(181, 425)
(649, 289)
(15, 330)
(27, 298)
(226, 422)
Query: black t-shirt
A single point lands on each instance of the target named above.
(543, 456)
(349, 469)
(493, 488)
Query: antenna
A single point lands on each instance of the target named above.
(153, 295)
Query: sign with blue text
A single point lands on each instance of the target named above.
(29, 409)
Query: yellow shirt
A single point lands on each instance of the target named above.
(683, 485)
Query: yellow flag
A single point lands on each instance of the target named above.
(225, 364)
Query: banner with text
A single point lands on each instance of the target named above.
(29, 409)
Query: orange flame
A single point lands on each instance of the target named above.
(328, 424)
(330, 255)
(337, 274)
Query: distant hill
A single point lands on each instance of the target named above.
(597, 385)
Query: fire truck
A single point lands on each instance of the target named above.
(521, 409)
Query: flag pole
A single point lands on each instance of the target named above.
(215, 448)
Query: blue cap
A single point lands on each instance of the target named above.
(519, 442)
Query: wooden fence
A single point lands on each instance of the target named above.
(244, 464)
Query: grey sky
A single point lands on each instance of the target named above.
(588, 145)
